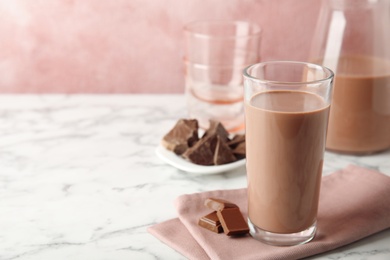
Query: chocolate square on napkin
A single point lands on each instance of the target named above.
(354, 203)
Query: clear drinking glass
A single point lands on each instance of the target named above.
(352, 38)
(286, 115)
(216, 53)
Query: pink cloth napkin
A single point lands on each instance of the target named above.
(354, 203)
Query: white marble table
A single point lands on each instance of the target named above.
(79, 178)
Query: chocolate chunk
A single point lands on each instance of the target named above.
(223, 154)
(239, 151)
(182, 136)
(216, 128)
(232, 221)
(214, 148)
(210, 150)
(203, 151)
(228, 214)
(211, 222)
(218, 204)
(237, 139)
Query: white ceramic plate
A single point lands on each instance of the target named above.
(184, 165)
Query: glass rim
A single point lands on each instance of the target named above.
(329, 73)
(190, 28)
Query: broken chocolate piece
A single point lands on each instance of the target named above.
(210, 150)
(218, 204)
(237, 139)
(223, 154)
(203, 151)
(214, 148)
(216, 128)
(211, 222)
(228, 214)
(239, 151)
(232, 221)
(182, 136)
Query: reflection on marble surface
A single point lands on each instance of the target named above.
(79, 178)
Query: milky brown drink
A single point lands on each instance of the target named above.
(359, 120)
(286, 132)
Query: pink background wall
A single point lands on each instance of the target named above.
(129, 46)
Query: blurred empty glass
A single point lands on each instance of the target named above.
(216, 54)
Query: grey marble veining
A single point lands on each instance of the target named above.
(79, 178)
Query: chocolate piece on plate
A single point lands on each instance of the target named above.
(232, 221)
(211, 222)
(218, 204)
(237, 139)
(203, 151)
(239, 151)
(223, 154)
(218, 129)
(182, 136)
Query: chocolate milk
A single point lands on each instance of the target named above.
(359, 120)
(285, 133)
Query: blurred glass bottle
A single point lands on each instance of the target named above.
(352, 38)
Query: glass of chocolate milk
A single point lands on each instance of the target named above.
(216, 52)
(352, 38)
(286, 116)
